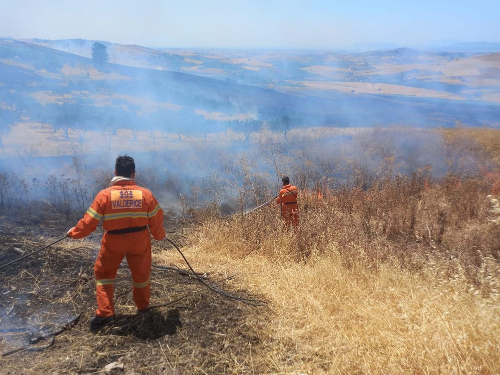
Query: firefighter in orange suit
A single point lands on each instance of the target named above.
(287, 199)
(126, 211)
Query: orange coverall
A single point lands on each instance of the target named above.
(287, 198)
(121, 207)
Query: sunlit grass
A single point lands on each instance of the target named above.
(344, 300)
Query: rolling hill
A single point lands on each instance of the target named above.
(42, 84)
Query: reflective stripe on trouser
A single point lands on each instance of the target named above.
(137, 248)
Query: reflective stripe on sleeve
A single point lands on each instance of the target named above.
(104, 282)
(94, 213)
(154, 212)
(141, 285)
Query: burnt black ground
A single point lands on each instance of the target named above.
(199, 333)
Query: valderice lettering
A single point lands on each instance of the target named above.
(126, 199)
(127, 203)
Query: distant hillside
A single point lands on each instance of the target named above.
(65, 91)
(453, 74)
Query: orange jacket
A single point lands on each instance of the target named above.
(120, 206)
(287, 197)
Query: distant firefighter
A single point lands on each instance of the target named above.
(126, 211)
(287, 199)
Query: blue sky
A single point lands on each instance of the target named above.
(253, 24)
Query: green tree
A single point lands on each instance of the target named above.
(99, 53)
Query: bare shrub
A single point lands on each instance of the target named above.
(81, 194)
(6, 189)
(391, 215)
(406, 266)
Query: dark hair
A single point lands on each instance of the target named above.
(286, 180)
(124, 166)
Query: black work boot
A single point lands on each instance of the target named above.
(97, 321)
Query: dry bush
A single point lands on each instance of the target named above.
(401, 277)
(482, 141)
(400, 210)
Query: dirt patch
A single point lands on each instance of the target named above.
(195, 331)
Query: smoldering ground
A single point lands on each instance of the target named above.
(53, 294)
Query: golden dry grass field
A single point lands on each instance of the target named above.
(360, 291)
(401, 278)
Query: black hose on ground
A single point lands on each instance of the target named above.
(32, 253)
(253, 302)
(51, 336)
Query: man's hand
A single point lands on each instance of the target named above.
(68, 232)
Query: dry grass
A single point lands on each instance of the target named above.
(486, 139)
(400, 278)
(386, 274)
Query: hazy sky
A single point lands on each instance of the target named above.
(255, 23)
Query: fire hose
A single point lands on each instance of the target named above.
(36, 339)
(32, 253)
(253, 302)
(261, 205)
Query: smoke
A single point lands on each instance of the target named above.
(223, 126)
(24, 312)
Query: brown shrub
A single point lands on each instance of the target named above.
(403, 218)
